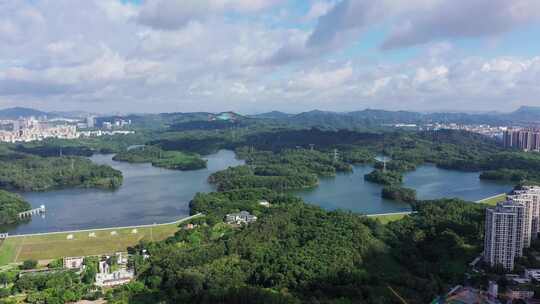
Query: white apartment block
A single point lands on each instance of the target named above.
(532, 192)
(501, 242)
(510, 227)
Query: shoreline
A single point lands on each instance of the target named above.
(199, 214)
(108, 228)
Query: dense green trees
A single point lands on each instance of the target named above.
(289, 169)
(301, 253)
(84, 146)
(435, 245)
(398, 193)
(33, 173)
(10, 206)
(164, 159)
(56, 287)
(384, 177)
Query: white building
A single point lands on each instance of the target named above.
(532, 274)
(243, 217)
(510, 227)
(107, 278)
(532, 193)
(502, 242)
(73, 262)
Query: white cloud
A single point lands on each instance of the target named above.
(175, 14)
(223, 55)
(321, 80)
(318, 9)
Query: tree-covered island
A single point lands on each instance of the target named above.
(175, 160)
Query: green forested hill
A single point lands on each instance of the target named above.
(10, 205)
(33, 173)
(298, 253)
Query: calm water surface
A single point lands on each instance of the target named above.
(352, 192)
(153, 195)
(148, 195)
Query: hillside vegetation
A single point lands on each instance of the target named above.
(10, 206)
(165, 159)
(25, 172)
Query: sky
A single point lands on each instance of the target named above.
(253, 56)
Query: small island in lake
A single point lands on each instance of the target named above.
(175, 160)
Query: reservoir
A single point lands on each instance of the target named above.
(148, 195)
(154, 195)
(349, 191)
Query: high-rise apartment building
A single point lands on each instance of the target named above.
(531, 193)
(501, 242)
(524, 139)
(510, 227)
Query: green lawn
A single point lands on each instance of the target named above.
(53, 246)
(387, 218)
(492, 201)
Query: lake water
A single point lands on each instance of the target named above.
(148, 195)
(154, 195)
(349, 191)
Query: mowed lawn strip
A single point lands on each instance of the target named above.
(53, 246)
(387, 218)
(492, 201)
(8, 250)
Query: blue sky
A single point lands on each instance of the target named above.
(260, 55)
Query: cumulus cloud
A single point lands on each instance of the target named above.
(321, 80)
(414, 22)
(318, 9)
(174, 14)
(213, 55)
(457, 19)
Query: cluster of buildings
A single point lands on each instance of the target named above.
(524, 139)
(510, 227)
(486, 130)
(117, 123)
(469, 295)
(32, 129)
(110, 273)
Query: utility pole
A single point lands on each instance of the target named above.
(311, 147)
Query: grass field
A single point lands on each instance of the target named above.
(387, 218)
(58, 245)
(492, 201)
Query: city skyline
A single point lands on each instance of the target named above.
(258, 56)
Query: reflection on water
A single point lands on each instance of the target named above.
(352, 192)
(148, 195)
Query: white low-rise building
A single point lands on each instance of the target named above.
(73, 262)
(242, 217)
(533, 274)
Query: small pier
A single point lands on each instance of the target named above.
(32, 212)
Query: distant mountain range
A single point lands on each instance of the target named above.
(339, 120)
(14, 113)
(17, 112)
(369, 117)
